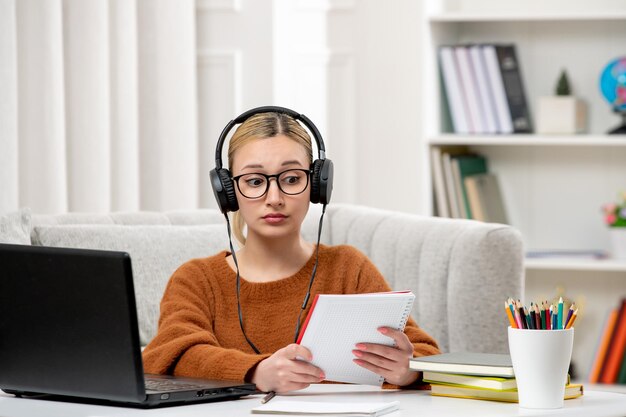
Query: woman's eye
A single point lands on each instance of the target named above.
(255, 182)
(291, 179)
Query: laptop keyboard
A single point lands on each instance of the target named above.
(171, 385)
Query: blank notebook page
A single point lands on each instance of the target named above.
(336, 323)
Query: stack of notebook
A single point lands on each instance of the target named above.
(480, 376)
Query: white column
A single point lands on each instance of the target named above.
(86, 32)
(124, 106)
(41, 115)
(8, 107)
(167, 97)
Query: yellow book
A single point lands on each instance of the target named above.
(571, 391)
(470, 381)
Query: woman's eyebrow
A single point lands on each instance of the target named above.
(291, 162)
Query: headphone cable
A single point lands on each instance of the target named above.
(306, 297)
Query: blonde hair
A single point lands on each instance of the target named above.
(264, 126)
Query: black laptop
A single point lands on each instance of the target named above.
(68, 330)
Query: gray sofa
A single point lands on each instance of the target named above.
(461, 271)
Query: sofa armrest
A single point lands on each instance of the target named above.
(461, 271)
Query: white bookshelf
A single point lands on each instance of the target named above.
(553, 186)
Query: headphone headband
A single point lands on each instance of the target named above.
(321, 149)
(321, 169)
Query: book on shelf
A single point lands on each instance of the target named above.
(452, 85)
(441, 177)
(484, 89)
(511, 76)
(470, 381)
(603, 346)
(488, 107)
(451, 187)
(617, 346)
(485, 199)
(468, 164)
(571, 391)
(469, 363)
(337, 322)
(469, 89)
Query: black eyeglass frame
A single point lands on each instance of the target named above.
(309, 172)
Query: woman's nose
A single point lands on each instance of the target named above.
(274, 195)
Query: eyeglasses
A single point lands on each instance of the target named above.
(290, 182)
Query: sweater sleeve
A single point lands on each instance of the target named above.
(185, 343)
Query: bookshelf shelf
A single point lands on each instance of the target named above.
(568, 264)
(529, 140)
(460, 17)
(552, 186)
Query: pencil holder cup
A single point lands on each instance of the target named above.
(541, 360)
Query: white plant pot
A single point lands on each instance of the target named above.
(560, 115)
(618, 242)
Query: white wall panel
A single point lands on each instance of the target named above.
(124, 106)
(219, 100)
(8, 107)
(86, 36)
(168, 98)
(41, 106)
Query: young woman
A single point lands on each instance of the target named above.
(212, 327)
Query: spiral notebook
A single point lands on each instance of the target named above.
(337, 322)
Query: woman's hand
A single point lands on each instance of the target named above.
(391, 362)
(282, 372)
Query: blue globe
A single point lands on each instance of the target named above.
(613, 83)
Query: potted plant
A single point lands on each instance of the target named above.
(615, 218)
(561, 113)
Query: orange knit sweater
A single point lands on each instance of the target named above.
(199, 333)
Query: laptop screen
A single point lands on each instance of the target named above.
(68, 323)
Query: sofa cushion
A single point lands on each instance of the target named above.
(15, 227)
(156, 252)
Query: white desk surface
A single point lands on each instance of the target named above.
(412, 403)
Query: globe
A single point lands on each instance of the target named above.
(613, 88)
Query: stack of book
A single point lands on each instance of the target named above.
(609, 364)
(480, 376)
(484, 89)
(464, 188)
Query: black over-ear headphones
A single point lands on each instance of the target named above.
(321, 168)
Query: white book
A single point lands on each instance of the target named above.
(318, 408)
(470, 90)
(454, 92)
(458, 188)
(451, 192)
(496, 83)
(484, 91)
(438, 182)
(337, 322)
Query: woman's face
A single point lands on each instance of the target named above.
(274, 214)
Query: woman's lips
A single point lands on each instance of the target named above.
(274, 218)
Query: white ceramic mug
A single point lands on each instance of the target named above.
(541, 361)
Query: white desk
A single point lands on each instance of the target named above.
(412, 403)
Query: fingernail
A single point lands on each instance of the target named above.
(361, 346)
(357, 353)
(322, 376)
(383, 330)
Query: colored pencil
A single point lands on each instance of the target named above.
(509, 315)
(572, 319)
(570, 311)
(560, 314)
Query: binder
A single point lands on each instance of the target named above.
(454, 92)
(337, 322)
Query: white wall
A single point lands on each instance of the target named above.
(351, 66)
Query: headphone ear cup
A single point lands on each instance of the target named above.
(224, 190)
(321, 181)
(316, 168)
(229, 190)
